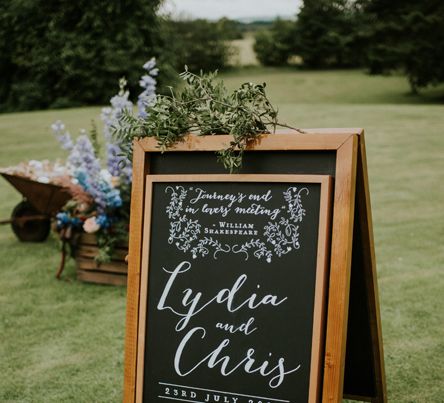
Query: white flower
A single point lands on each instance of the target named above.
(106, 176)
(90, 225)
(58, 127)
(37, 165)
(150, 64)
(147, 82)
(120, 103)
(43, 179)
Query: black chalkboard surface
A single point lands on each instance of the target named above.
(233, 296)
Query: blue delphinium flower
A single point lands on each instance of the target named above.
(111, 195)
(103, 221)
(120, 102)
(114, 159)
(82, 178)
(103, 194)
(110, 115)
(150, 64)
(108, 122)
(126, 171)
(64, 220)
(147, 82)
(82, 157)
(62, 135)
(76, 222)
(118, 164)
(95, 189)
(147, 97)
(144, 102)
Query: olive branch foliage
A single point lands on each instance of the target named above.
(204, 107)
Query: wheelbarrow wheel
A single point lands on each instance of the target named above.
(32, 230)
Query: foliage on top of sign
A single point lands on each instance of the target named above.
(205, 107)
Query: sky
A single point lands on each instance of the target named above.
(235, 9)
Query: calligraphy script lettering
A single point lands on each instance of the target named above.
(231, 198)
(192, 303)
(248, 363)
(243, 328)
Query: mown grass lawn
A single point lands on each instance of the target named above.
(63, 340)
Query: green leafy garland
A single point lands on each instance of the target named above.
(204, 107)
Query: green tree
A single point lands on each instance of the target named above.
(199, 44)
(60, 52)
(407, 35)
(328, 33)
(274, 46)
(229, 29)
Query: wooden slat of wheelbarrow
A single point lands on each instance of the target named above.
(47, 198)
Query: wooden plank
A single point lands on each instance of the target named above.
(317, 354)
(280, 178)
(282, 142)
(111, 267)
(144, 293)
(368, 250)
(101, 278)
(91, 251)
(140, 170)
(340, 267)
(91, 239)
(87, 239)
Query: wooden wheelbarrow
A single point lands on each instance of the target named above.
(31, 218)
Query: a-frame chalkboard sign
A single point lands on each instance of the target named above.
(258, 286)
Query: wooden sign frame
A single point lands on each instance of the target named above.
(350, 198)
(321, 262)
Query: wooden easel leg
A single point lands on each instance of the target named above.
(363, 198)
(140, 170)
(340, 268)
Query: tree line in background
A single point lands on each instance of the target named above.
(63, 53)
(383, 36)
(60, 53)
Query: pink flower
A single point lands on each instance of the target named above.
(90, 225)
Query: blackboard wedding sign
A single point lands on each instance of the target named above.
(232, 301)
(258, 286)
